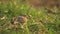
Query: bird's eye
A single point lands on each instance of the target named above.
(14, 19)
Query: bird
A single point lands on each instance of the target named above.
(21, 20)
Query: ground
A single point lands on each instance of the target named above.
(43, 20)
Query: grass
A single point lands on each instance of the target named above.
(41, 22)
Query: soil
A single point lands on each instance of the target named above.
(45, 3)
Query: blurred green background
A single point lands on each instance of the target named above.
(43, 21)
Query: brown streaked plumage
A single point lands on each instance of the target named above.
(22, 20)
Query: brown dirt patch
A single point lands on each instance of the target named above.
(44, 3)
